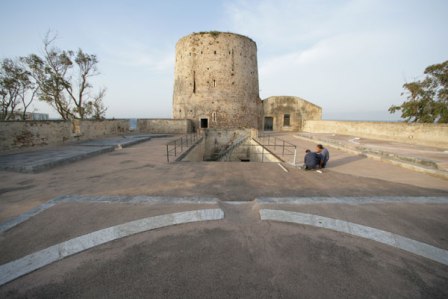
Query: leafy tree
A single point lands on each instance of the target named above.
(428, 98)
(96, 109)
(17, 89)
(63, 77)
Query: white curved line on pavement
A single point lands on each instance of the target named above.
(353, 200)
(39, 259)
(4, 226)
(397, 241)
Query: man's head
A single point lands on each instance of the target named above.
(319, 148)
(307, 151)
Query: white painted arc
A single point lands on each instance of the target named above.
(358, 200)
(388, 238)
(4, 226)
(39, 259)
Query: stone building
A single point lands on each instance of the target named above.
(216, 86)
(216, 81)
(286, 113)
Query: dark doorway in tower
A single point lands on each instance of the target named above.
(268, 123)
(286, 120)
(204, 123)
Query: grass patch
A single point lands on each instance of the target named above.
(212, 33)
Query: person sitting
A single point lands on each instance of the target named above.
(324, 155)
(311, 160)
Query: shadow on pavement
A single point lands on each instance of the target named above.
(346, 160)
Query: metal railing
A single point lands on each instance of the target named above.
(280, 147)
(264, 149)
(227, 153)
(176, 147)
(256, 152)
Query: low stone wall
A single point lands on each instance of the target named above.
(424, 134)
(165, 126)
(19, 134)
(91, 129)
(26, 134)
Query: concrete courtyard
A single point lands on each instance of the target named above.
(240, 253)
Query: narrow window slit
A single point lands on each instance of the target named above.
(194, 82)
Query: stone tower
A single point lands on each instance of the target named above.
(216, 81)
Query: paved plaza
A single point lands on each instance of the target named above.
(126, 223)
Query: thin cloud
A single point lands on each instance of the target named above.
(343, 55)
(132, 54)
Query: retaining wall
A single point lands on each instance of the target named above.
(165, 126)
(423, 134)
(27, 134)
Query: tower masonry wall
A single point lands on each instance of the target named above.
(216, 79)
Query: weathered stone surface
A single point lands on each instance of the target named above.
(165, 126)
(40, 160)
(218, 140)
(19, 134)
(216, 78)
(297, 108)
(435, 135)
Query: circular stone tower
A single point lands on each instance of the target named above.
(216, 81)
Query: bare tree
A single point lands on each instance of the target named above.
(63, 77)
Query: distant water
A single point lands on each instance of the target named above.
(376, 116)
(365, 120)
(132, 124)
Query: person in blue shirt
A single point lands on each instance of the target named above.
(311, 160)
(324, 155)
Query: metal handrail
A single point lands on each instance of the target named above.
(265, 150)
(269, 143)
(228, 151)
(286, 148)
(176, 147)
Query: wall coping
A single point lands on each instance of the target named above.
(88, 120)
(378, 122)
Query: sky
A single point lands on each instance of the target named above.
(351, 57)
